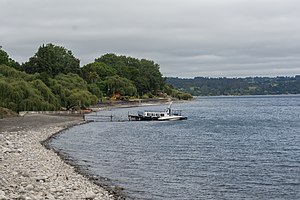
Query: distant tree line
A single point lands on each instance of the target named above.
(204, 86)
(52, 79)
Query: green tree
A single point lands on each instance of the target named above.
(80, 98)
(18, 95)
(96, 71)
(6, 60)
(71, 81)
(152, 75)
(144, 74)
(95, 90)
(72, 91)
(52, 60)
(45, 92)
(7, 71)
(119, 84)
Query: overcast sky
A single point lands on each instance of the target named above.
(187, 38)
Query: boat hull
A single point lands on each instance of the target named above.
(172, 118)
(145, 118)
(141, 118)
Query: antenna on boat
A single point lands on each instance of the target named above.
(169, 108)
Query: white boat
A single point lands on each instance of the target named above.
(166, 115)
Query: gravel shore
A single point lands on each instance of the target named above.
(29, 171)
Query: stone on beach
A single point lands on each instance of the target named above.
(29, 171)
(90, 195)
(2, 195)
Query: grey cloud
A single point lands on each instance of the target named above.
(187, 38)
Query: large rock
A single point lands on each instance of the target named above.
(29, 187)
(90, 195)
(2, 195)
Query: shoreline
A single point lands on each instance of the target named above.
(28, 170)
(116, 192)
(22, 158)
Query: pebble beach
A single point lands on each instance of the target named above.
(30, 171)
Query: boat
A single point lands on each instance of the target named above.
(166, 115)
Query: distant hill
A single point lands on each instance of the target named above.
(204, 86)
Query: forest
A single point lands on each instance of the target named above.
(52, 79)
(204, 86)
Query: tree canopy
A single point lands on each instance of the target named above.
(6, 60)
(144, 74)
(121, 85)
(52, 60)
(52, 79)
(96, 71)
(24, 92)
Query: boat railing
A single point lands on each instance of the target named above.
(154, 111)
(173, 112)
(176, 112)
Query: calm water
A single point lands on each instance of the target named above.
(229, 148)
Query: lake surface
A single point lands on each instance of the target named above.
(229, 148)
